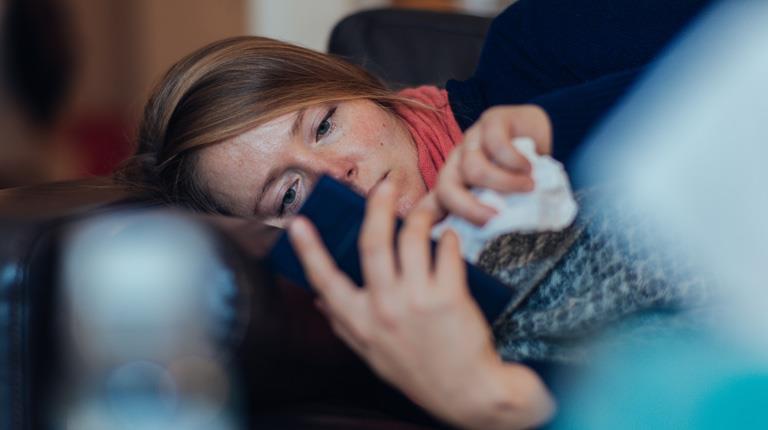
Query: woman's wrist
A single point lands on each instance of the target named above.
(509, 395)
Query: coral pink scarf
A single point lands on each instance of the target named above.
(435, 132)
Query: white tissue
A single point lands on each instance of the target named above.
(550, 206)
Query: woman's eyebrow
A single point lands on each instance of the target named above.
(297, 121)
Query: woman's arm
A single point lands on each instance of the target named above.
(538, 46)
(416, 324)
(572, 58)
(569, 61)
(557, 122)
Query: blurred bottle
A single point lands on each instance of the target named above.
(153, 315)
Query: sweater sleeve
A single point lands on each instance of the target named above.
(574, 111)
(538, 46)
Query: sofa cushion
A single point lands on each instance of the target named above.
(411, 47)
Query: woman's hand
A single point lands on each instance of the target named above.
(416, 324)
(487, 159)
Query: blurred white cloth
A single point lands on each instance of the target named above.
(550, 206)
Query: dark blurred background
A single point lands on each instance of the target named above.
(75, 73)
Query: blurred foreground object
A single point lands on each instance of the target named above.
(687, 150)
(153, 315)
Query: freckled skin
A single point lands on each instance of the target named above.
(364, 143)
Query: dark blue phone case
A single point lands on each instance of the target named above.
(338, 213)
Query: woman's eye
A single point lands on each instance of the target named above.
(289, 198)
(325, 125)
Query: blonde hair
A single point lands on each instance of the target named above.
(225, 89)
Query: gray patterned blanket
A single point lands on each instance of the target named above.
(602, 274)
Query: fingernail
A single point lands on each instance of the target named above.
(523, 165)
(450, 232)
(530, 185)
(488, 213)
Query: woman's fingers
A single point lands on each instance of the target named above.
(333, 286)
(414, 246)
(503, 123)
(454, 196)
(488, 158)
(497, 143)
(343, 330)
(346, 332)
(449, 266)
(430, 202)
(376, 242)
(479, 171)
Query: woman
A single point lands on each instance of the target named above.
(245, 126)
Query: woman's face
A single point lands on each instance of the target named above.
(270, 170)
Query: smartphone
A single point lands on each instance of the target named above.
(337, 212)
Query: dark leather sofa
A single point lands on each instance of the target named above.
(288, 369)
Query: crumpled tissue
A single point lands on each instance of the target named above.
(550, 206)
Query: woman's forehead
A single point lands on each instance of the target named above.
(267, 136)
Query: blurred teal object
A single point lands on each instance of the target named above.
(676, 384)
(687, 150)
(741, 401)
(141, 395)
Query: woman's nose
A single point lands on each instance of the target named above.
(345, 174)
(348, 175)
(341, 169)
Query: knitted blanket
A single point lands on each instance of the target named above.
(600, 274)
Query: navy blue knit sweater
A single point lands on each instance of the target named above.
(574, 58)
